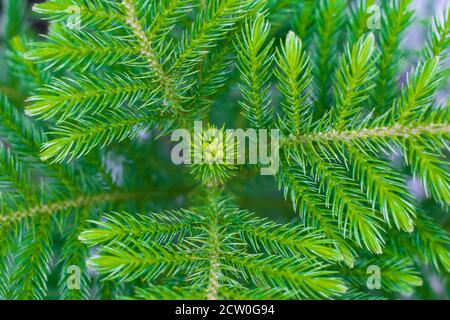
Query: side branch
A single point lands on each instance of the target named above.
(395, 131)
(80, 202)
(148, 52)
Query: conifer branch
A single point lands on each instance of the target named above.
(294, 76)
(394, 132)
(164, 80)
(395, 20)
(52, 208)
(111, 79)
(254, 65)
(329, 22)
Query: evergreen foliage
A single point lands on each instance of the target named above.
(87, 189)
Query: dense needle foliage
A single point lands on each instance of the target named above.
(93, 207)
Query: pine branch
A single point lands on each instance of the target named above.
(17, 130)
(214, 22)
(347, 202)
(125, 227)
(91, 95)
(255, 59)
(329, 22)
(353, 75)
(397, 275)
(418, 93)
(83, 50)
(33, 262)
(164, 80)
(377, 133)
(384, 187)
(439, 42)
(429, 164)
(29, 74)
(14, 179)
(146, 260)
(166, 14)
(104, 15)
(395, 20)
(214, 74)
(305, 280)
(285, 240)
(74, 255)
(294, 76)
(211, 252)
(14, 13)
(51, 208)
(310, 204)
(433, 241)
(74, 140)
(136, 70)
(6, 245)
(304, 22)
(358, 20)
